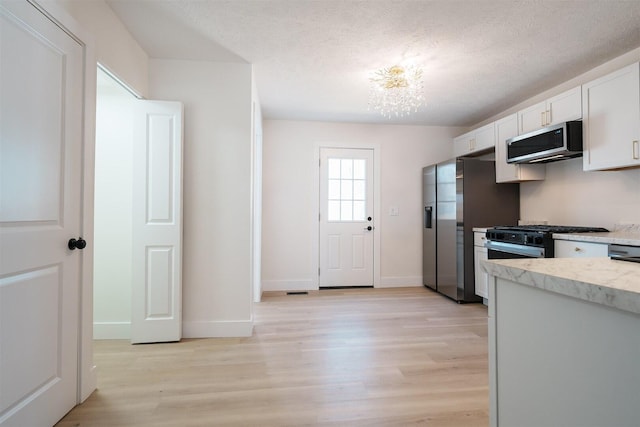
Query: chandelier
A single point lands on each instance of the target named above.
(396, 91)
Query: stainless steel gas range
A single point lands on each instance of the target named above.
(528, 241)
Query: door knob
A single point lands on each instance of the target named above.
(77, 244)
(369, 228)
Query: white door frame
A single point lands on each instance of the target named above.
(315, 240)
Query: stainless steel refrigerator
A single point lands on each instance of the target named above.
(458, 195)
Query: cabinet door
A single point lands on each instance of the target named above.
(485, 137)
(560, 108)
(505, 128)
(565, 107)
(571, 249)
(611, 125)
(505, 172)
(462, 144)
(532, 118)
(482, 278)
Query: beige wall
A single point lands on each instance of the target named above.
(290, 174)
(570, 196)
(115, 48)
(217, 287)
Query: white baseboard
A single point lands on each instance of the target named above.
(112, 330)
(289, 285)
(217, 329)
(400, 282)
(310, 285)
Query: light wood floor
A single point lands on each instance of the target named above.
(365, 357)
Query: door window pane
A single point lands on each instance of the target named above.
(334, 210)
(334, 189)
(346, 210)
(347, 169)
(346, 192)
(358, 190)
(358, 169)
(334, 168)
(346, 189)
(358, 211)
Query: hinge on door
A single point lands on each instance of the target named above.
(318, 271)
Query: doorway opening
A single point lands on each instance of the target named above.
(112, 285)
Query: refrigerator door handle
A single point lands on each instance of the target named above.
(428, 216)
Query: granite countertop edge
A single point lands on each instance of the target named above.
(610, 283)
(616, 237)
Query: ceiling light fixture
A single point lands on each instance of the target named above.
(396, 91)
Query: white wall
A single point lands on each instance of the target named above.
(256, 209)
(112, 217)
(217, 287)
(115, 48)
(570, 196)
(290, 172)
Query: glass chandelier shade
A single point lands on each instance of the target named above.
(396, 91)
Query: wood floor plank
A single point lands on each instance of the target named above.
(348, 357)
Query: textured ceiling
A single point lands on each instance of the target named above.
(312, 58)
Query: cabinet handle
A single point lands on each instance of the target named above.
(636, 150)
(577, 249)
(543, 118)
(548, 116)
(472, 144)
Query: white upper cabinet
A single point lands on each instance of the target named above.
(560, 108)
(611, 125)
(475, 141)
(504, 129)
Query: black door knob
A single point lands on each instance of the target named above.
(369, 228)
(77, 244)
(368, 218)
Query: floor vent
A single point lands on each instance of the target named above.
(298, 293)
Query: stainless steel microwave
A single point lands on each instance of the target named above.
(557, 142)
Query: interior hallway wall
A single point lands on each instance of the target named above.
(116, 49)
(217, 253)
(112, 212)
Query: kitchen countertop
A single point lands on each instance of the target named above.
(623, 237)
(602, 281)
(481, 229)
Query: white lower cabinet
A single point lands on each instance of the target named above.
(573, 249)
(480, 253)
(555, 360)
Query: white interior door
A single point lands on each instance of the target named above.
(346, 217)
(41, 110)
(157, 222)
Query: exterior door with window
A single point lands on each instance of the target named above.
(346, 217)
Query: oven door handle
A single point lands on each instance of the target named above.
(511, 248)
